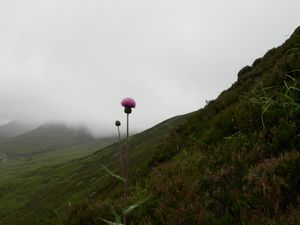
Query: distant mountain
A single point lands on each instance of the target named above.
(58, 130)
(14, 128)
(45, 138)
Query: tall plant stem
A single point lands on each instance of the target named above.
(121, 153)
(126, 172)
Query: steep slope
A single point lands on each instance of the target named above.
(236, 161)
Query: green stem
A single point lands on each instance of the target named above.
(121, 153)
(126, 172)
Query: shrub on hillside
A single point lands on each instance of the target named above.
(84, 213)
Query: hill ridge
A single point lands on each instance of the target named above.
(14, 128)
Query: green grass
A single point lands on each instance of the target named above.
(238, 160)
(29, 195)
(42, 149)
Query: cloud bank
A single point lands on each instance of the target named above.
(74, 61)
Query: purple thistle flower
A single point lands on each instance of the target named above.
(128, 103)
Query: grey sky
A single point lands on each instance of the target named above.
(74, 60)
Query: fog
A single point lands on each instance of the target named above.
(74, 61)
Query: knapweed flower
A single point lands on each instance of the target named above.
(128, 103)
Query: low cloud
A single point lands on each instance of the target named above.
(74, 61)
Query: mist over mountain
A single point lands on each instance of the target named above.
(45, 138)
(58, 130)
(49, 144)
(15, 128)
(74, 62)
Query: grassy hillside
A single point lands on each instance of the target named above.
(47, 145)
(236, 161)
(35, 196)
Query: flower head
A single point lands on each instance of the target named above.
(128, 103)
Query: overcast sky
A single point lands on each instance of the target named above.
(74, 60)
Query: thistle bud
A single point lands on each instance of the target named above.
(118, 123)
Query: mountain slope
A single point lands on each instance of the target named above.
(13, 129)
(47, 137)
(239, 157)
